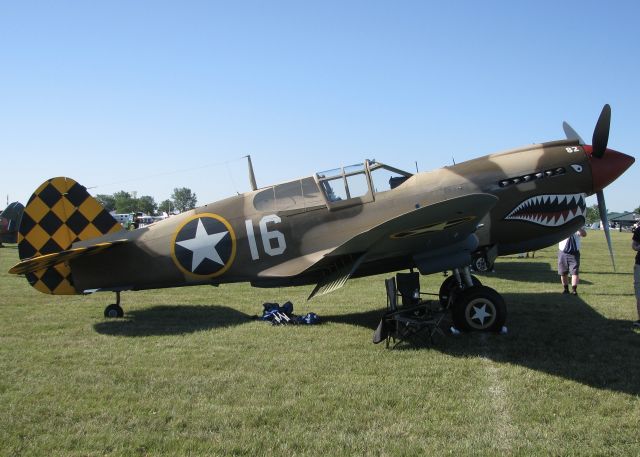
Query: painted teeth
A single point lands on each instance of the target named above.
(550, 210)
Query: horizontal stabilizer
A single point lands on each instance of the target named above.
(49, 260)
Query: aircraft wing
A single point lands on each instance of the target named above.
(45, 261)
(295, 266)
(432, 226)
(446, 224)
(435, 226)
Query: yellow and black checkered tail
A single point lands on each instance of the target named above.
(59, 213)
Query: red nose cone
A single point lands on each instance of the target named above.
(607, 168)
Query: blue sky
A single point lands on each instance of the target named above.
(148, 96)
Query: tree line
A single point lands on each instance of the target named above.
(123, 202)
(593, 215)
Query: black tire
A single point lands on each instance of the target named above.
(479, 309)
(450, 286)
(114, 310)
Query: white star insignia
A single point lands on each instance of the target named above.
(481, 313)
(203, 246)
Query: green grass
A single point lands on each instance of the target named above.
(188, 372)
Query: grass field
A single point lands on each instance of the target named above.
(188, 372)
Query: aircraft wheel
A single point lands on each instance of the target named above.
(450, 287)
(479, 309)
(113, 310)
(482, 264)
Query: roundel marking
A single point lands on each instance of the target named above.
(204, 246)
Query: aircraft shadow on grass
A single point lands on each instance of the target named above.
(553, 333)
(172, 320)
(527, 271)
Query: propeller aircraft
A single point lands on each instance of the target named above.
(9, 222)
(323, 229)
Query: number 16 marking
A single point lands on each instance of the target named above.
(267, 236)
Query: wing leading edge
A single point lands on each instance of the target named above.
(433, 227)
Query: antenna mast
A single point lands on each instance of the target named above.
(252, 176)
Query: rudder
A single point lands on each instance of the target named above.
(59, 213)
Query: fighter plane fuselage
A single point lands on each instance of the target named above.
(295, 233)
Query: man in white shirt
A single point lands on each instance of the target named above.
(569, 261)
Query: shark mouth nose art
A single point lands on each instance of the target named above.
(550, 210)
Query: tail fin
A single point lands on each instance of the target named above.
(59, 213)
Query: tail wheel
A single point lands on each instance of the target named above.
(114, 310)
(479, 309)
(450, 287)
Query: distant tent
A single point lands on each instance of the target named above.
(622, 220)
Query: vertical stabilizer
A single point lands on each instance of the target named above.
(59, 213)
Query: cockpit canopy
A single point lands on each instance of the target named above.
(335, 188)
(299, 194)
(359, 180)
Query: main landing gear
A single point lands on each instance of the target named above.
(474, 307)
(114, 310)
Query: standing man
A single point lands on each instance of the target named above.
(635, 245)
(569, 261)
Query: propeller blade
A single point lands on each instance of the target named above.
(602, 208)
(601, 132)
(570, 133)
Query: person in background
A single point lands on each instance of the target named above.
(569, 261)
(635, 245)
